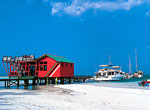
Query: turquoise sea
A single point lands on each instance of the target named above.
(126, 83)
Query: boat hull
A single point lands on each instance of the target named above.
(144, 84)
(108, 79)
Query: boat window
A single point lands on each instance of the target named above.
(112, 73)
(109, 73)
(104, 74)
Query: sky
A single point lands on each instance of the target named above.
(84, 31)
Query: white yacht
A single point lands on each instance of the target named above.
(109, 73)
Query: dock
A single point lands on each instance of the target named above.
(15, 81)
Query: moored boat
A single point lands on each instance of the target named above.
(143, 83)
(148, 80)
(109, 73)
(137, 74)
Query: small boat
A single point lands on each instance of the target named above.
(148, 80)
(138, 74)
(143, 83)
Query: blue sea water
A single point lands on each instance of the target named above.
(30, 87)
(126, 83)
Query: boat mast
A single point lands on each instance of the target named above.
(136, 60)
(110, 60)
(130, 65)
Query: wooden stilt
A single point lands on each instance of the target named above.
(26, 82)
(62, 80)
(5, 83)
(8, 85)
(53, 81)
(33, 82)
(38, 81)
(69, 80)
(18, 83)
(47, 81)
(56, 80)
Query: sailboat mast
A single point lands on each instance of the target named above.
(130, 66)
(136, 60)
(109, 59)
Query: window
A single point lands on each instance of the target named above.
(37, 73)
(62, 63)
(41, 67)
(66, 64)
(23, 67)
(37, 63)
(37, 68)
(71, 64)
(41, 62)
(45, 62)
(32, 63)
(45, 67)
(109, 73)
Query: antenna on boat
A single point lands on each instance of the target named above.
(110, 60)
(130, 65)
(136, 60)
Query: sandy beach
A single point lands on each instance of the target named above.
(73, 97)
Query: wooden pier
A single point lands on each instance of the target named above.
(15, 81)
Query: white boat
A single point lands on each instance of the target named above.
(137, 74)
(109, 73)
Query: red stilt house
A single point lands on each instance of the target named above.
(55, 66)
(44, 66)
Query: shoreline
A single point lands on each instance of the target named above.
(75, 96)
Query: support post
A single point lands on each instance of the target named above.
(33, 83)
(56, 80)
(69, 80)
(26, 82)
(18, 83)
(8, 83)
(62, 80)
(5, 83)
(38, 81)
(47, 81)
(53, 81)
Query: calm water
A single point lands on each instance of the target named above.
(127, 83)
(30, 87)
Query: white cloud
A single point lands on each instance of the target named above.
(57, 7)
(78, 7)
